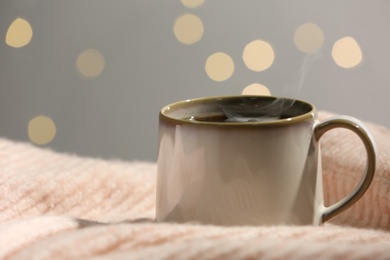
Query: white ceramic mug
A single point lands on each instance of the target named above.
(248, 160)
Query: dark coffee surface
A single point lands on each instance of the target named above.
(249, 117)
(210, 118)
(238, 109)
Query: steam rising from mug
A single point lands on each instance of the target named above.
(272, 111)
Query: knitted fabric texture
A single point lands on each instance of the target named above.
(60, 206)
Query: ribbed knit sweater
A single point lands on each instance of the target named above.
(61, 206)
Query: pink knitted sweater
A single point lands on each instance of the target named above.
(59, 206)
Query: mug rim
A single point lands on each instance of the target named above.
(311, 114)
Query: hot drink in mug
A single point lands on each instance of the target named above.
(248, 160)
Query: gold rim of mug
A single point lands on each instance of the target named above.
(279, 122)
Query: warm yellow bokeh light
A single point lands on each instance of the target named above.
(188, 29)
(41, 130)
(346, 53)
(90, 63)
(308, 37)
(192, 3)
(256, 89)
(219, 66)
(19, 33)
(258, 55)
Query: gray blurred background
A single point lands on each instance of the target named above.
(101, 70)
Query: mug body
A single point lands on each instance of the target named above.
(238, 173)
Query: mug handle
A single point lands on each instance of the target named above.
(358, 128)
